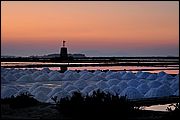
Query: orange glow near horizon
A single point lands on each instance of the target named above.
(90, 25)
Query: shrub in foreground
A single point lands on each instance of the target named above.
(21, 101)
(99, 105)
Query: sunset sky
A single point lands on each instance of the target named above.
(94, 28)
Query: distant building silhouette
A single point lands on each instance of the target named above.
(63, 53)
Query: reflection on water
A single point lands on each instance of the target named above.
(160, 107)
(169, 70)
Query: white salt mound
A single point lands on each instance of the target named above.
(22, 91)
(17, 75)
(176, 93)
(46, 70)
(143, 88)
(71, 76)
(86, 76)
(55, 77)
(97, 78)
(175, 86)
(122, 85)
(66, 83)
(102, 84)
(10, 77)
(114, 75)
(152, 77)
(61, 94)
(113, 82)
(8, 92)
(164, 90)
(128, 76)
(167, 77)
(133, 83)
(131, 93)
(80, 84)
(41, 96)
(116, 89)
(161, 91)
(88, 89)
(43, 77)
(143, 75)
(151, 93)
(35, 85)
(53, 91)
(103, 74)
(109, 91)
(52, 73)
(25, 78)
(154, 84)
(44, 89)
(70, 87)
(160, 74)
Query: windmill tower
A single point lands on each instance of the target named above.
(63, 52)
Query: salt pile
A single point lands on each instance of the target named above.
(143, 88)
(122, 85)
(164, 90)
(41, 96)
(160, 74)
(102, 84)
(167, 77)
(71, 76)
(52, 73)
(116, 89)
(8, 92)
(55, 77)
(80, 84)
(175, 86)
(139, 85)
(36, 74)
(70, 87)
(114, 75)
(66, 83)
(10, 77)
(86, 76)
(46, 70)
(154, 84)
(143, 75)
(35, 85)
(25, 78)
(22, 91)
(113, 82)
(151, 93)
(88, 89)
(45, 90)
(109, 91)
(161, 91)
(53, 91)
(103, 74)
(133, 83)
(17, 75)
(128, 76)
(131, 93)
(97, 78)
(152, 77)
(59, 95)
(43, 77)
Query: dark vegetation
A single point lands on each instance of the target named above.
(97, 106)
(21, 101)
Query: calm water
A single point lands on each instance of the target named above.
(169, 70)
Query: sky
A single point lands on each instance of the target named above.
(93, 28)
